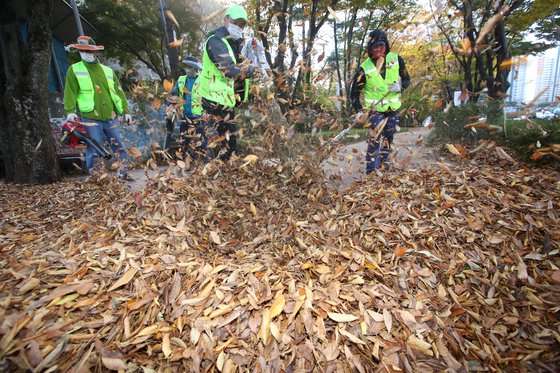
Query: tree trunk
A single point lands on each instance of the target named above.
(503, 54)
(336, 56)
(30, 151)
(348, 59)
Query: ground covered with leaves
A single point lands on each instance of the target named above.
(255, 267)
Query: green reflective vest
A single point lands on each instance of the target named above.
(196, 99)
(214, 85)
(87, 92)
(377, 88)
(181, 82)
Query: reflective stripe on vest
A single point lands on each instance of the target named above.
(86, 92)
(214, 85)
(376, 90)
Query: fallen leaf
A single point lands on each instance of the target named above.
(125, 279)
(341, 317)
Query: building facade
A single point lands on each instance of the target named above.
(536, 80)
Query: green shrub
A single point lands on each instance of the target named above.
(524, 136)
(449, 126)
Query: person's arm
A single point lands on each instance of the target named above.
(356, 88)
(120, 93)
(70, 92)
(403, 73)
(175, 90)
(219, 55)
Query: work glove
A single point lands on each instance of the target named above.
(128, 119)
(72, 117)
(395, 88)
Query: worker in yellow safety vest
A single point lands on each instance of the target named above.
(382, 77)
(224, 82)
(95, 91)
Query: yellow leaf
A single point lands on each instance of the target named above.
(251, 158)
(67, 299)
(29, 285)
(172, 18)
(452, 149)
(253, 209)
(420, 345)
(125, 279)
(277, 306)
(275, 331)
(220, 361)
(152, 329)
(322, 269)
(351, 337)
(265, 326)
(342, 317)
(166, 345)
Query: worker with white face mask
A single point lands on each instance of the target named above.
(224, 82)
(95, 91)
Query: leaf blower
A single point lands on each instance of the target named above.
(75, 134)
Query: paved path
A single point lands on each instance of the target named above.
(347, 165)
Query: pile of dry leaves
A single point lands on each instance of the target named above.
(254, 268)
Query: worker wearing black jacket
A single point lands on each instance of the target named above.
(382, 77)
(224, 82)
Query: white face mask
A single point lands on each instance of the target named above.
(235, 31)
(88, 57)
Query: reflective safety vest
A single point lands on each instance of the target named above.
(214, 85)
(86, 93)
(185, 88)
(377, 88)
(196, 98)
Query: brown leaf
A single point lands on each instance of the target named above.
(125, 279)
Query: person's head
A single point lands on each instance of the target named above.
(235, 21)
(378, 44)
(191, 66)
(87, 48)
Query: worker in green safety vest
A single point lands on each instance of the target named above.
(191, 127)
(224, 82)
(382, 78)
(95, 91)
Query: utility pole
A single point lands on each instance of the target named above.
(77, 18)
(171, 52)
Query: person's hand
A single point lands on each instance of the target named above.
(128, 119)
(72, 117)
(395, 88)
(361, 117)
